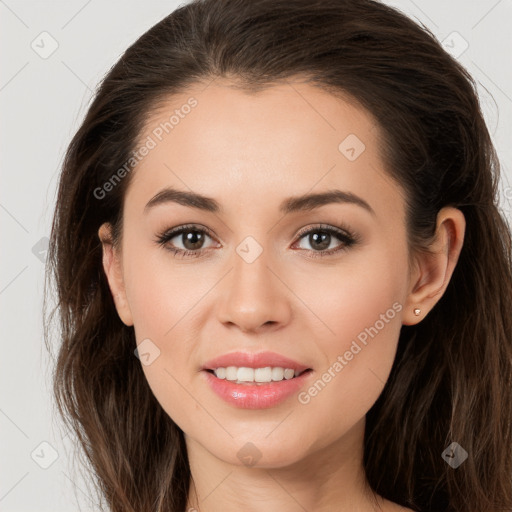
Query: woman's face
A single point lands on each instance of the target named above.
(263, 272)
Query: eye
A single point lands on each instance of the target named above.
(321, 239)
(191, 237)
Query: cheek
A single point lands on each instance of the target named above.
(360, 307)
(349, 297)
(158, 296)
(163, 302)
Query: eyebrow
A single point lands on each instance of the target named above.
(292, 204)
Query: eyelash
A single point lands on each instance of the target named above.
(342, 233)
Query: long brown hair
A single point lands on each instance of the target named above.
(452, 377)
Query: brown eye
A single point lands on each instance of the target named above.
(192, 239)
(185, 240)
(322, 238)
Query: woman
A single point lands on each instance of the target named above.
(284, 281)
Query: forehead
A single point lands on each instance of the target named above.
(284, 140)
(281, 113)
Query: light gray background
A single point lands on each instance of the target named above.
(42, 102)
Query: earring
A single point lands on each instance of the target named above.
(417, 311)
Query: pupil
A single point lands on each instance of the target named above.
(193, 239)
(323, 244)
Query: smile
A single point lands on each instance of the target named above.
(255, 395)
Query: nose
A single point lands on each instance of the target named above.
(254, 297)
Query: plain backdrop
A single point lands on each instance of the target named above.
(53, 54)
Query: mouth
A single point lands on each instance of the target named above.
(255, 380)
(256, 376)
(250, 388)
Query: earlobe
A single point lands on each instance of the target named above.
(433, 270)
(114, 274)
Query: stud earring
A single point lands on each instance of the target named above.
(417, 311)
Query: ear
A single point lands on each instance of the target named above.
(432, 271)
(113, 270)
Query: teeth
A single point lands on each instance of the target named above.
(231, 373)
(261, 374)
(277, 373)
(221, 373)
(267, 374)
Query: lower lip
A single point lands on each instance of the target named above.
(256, 396)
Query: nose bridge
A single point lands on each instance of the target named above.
(253, 295)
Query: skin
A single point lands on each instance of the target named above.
(250, 152)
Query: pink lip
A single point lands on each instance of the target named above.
(255, 396)
(253, 360)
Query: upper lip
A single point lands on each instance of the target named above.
(253, 360)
